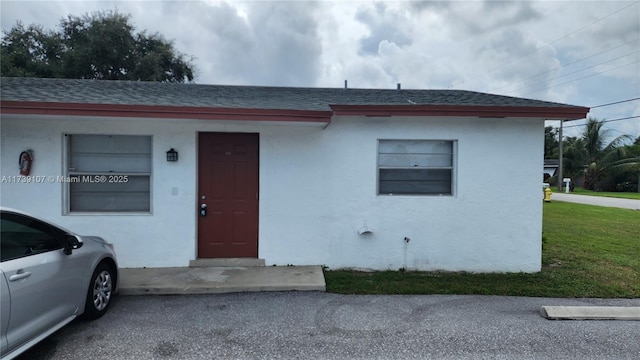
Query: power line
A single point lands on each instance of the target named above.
(605, 121)
(577, 71)
(624, 118)
(616, 130)
(614, 103)
(563, 37)
(569, 63)
(584, 77)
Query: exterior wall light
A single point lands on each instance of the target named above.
(172, 155)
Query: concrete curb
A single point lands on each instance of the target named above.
(590, 313)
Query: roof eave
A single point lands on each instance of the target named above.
(164, 112)
(549, 113)
(284, 115)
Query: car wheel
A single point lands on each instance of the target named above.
(100, 292)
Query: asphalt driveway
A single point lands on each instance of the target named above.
(301, 325)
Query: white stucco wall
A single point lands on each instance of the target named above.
(317, 188)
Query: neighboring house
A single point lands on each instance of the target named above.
(347, 178)
(551, 169)
(551, 166)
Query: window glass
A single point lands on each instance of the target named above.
(132, 195)
(24, 236)
(415, 167)
(109, 173)
(110, 153)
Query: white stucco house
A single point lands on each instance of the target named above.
(347, 178)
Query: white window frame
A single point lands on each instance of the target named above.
(71, 175)
(452, 167)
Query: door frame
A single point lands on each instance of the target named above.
(197, 179)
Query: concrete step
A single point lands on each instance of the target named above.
(216, 280)
(227, 262)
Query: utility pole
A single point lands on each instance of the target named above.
(560, 157)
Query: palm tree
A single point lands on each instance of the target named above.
(574, 158)
(603, 157)
(624, 174)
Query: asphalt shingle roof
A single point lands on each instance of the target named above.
(247, 97)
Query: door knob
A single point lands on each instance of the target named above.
(203, 209)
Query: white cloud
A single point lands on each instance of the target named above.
(579, 52)
(385, 24)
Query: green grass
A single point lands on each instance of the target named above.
(588, 251)
(621, 195)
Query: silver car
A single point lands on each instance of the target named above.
(48, 277)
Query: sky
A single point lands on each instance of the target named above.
(584, 53)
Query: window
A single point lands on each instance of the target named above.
(109, 173)
(23, 236)
(415, 167)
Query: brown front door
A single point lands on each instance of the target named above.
(227, 195)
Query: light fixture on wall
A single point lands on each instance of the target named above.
(172, 155)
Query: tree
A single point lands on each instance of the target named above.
(30, 52)
(574, 157)
(601, 157)
(550, 143)
(102, 45)
(624, 174)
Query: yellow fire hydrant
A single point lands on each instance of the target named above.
(547, 194)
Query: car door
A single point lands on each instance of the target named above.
(38, 278)
(5, 308)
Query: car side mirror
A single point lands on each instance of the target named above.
(71, 242)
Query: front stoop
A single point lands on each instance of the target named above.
(230, 262)
(218, 280)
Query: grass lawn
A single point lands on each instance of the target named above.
(622, 195)
(588, 251)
